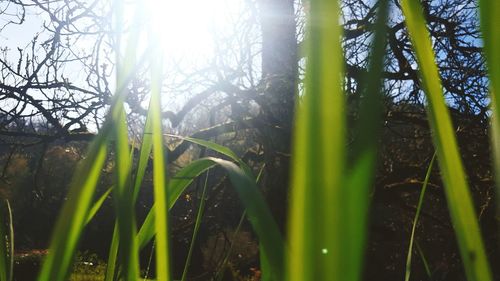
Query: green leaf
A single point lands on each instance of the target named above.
(457, 192)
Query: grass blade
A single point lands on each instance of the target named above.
(360, 179)
(319, 154)
(6, 242)
(258, 212)
(424, 261)
(145, 151)
(146, 147)
(74, 213)
(110, 274)
(211, 145)
(457, 192)
(124, 204)
(97, 205)
(220, 149)
(10, 239)
(159, 172)
(175, 187)
(197, 224)
(259, 215)
(489, 12)
(415, 220)
(183, 179)
(220, 273)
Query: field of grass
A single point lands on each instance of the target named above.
(330, 195)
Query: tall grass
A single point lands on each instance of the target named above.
(319, 154)
(456, 189)
(330, 193)
(489, 13)
(123, 262)
(323, 228)
(328, 212)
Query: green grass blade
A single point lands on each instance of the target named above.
(159, 172)
(360, 179)
(112, 256)
(259, 215)
(258, 212)
(220, 149)
(146, 146)
(74, 213)
(10, 239)
(319, 154)
(424, 261)
(6, 242)
(124, 194)
(147, 230)
(265, 265)
(145, 151)
(220, 273)
(97, 205)
(176, 187)
(354, 215)
(489, 13)
(4, 254)
(211, 145)
(370, 111)
(415, 220)
(197, 224)
(124, 204)
(457, 192)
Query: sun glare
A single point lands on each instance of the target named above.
(187, 29)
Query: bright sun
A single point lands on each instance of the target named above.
(186, 28)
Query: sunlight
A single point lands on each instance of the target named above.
(187, 28)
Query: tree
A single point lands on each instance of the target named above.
(61, 77)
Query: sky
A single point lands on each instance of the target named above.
(187, 31)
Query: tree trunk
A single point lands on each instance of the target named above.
(279, 71)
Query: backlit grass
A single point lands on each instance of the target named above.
(330, 195)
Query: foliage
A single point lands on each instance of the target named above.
(331, 185)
